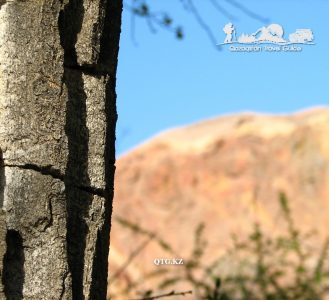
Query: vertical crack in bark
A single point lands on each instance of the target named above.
(13, 266)
(109, 49)
(110, 37)
(2, 180)
(77, 202)
(108, 58)
(51, 214)
(66, 274)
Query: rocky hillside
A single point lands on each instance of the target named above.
(225, 172)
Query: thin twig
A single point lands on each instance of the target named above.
(172, 293)
(247, 11)
(138, 229)
(133, 27)
(201, 22)
(222, 10)
(151, 18)
(130, 259)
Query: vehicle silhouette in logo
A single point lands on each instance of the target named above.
(301, 36)
(271, 34)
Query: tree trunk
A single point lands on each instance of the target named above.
(57, 130)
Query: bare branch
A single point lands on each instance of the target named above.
(247, 11)
(201, 22)
(172, 293)
(153, 19)
(160, 19)
(132, 28)
(130, 259)
(223, 11)
(138, 229)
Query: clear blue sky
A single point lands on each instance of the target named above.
(165, 83)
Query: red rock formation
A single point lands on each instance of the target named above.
(227, 173)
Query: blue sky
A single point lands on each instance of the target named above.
(165, 83)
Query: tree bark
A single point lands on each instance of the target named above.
(57, 130)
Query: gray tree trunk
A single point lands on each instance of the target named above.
(57, 129)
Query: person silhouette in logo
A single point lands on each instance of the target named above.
(229, 31)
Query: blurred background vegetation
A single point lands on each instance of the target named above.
(172, 72)
(259, 267)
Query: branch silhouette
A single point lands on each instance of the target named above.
(170, 294)
(154, 20)
(130, 259)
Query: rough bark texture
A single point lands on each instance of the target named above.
(57, 130)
